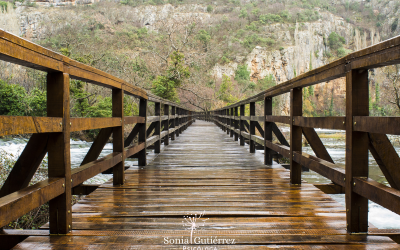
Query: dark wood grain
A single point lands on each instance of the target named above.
(59, 159)
(316, 144)
(118, 135)
(357, 104)
(386, 157)
(296, 109)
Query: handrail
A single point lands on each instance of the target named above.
(363, 133)
(52, 134)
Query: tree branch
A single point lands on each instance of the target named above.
(193, 92)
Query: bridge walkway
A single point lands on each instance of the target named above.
(206, 172)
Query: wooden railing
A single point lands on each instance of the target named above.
(363, 133)
(51, 135)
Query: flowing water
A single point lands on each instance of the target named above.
(79, 149)
(378, 215)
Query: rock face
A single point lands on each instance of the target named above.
(301, 47)
(299, 53)
(30, 20)
(51, 3)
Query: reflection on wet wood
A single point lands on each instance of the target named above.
(242, 199)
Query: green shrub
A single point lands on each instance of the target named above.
(336, 41)
(394, 24)
(284, 14)
(209, 8)
(267, 82)
(269, 41)
(253, 26)
(241, 73)
(37, 103)
(270, 18)
(204, 38)
(240, 33)
(103, 108)
(327, 54)
(12, 99)
(225, 60)
(165, 85)
(31, 4)
(341, 52)
(225, 90)
(243, 13)
(3, 6)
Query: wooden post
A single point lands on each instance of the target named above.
(252, 127)
(267, 130)
(236, 124)
(157, 129)
(227, 121)
(118, 135)
(173, 122)
(184, 120)
(142, 132)
(221, 119)
(59, 160)
(241, 124)
(232, 120)
(178, 120)
(296, 109)
(166, 124)
(357, 104)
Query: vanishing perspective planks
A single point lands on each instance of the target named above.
(244, 202)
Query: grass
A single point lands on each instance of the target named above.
(339, 136)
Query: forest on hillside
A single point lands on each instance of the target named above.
(175, 57)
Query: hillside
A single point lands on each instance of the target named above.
(212, 54)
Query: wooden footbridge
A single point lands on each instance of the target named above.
(203, 188)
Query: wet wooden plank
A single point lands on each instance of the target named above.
(378, 193)
(324, 168)
(280, 119)
(379, 125)
(79, 124)
(133, 119)
(13, 125)
(19, 203)
(88, 170)
(321, 122)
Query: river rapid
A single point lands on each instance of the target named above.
(378, 215)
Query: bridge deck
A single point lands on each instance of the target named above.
(206, 170)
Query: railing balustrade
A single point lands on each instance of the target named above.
(51, 135)
(363, 133)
